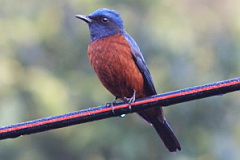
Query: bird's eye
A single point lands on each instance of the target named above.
(104, 19)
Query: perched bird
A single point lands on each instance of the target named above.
(120, 66)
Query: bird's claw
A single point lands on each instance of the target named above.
(112, 103)
(130, 100)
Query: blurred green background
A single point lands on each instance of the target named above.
(44, 71)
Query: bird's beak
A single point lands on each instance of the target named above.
(84, 18)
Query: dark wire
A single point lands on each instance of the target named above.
(107, 111)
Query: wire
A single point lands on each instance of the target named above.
(108, 110)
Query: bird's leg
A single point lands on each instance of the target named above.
(112, 103)
(130, 100)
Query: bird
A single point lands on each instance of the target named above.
(121, 68)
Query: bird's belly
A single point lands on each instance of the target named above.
(113, 62)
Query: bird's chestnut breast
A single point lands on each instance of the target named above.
(112, 60)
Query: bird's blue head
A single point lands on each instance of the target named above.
(102, 23)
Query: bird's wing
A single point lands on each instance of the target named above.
(140, 62)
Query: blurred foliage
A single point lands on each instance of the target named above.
(44, 71)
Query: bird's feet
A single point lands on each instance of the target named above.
(130, 100)
(112, 103)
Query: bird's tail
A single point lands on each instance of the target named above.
(156, 118)
(165, 132)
